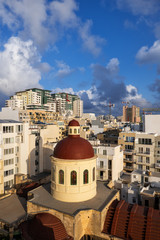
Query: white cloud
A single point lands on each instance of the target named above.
(139, 7)
(149, 55)
(29, 16)
(66, 90)
(45, 23)
(63, 70)
(113, 66)
(92, 43)
(64, 12)
(135, 98)
(17, 62)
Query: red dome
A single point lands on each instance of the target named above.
(73, 147)
(73, 123)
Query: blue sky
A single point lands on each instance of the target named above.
(103, 50)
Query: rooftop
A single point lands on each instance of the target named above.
(9, 121)
(42, 197)
(12, 209)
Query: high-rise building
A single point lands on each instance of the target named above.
(33, 98)
(64, 102)
(78, 108)
(14, 151)
(131, 114)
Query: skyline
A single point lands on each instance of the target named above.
(104, 51)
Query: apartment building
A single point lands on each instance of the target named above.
(78, 108)
(109, 161)
(64, 102)
(131, 114)
(41, 144)
(147, 149)
(14, 140)
(33, 98)
(127, 142)
(14, 103)
(38, 116)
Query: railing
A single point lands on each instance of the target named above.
(128, 168)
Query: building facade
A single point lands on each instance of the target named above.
(131, 114)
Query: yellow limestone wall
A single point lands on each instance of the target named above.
(86, 222)
(73, 193)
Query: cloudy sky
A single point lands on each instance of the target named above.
(103, 50)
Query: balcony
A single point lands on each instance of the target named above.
(157, 165)
(129, 151)
(128, 168)
(142, 153)
(129, 160)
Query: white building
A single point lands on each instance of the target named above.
(14, 103)
(78, 108)
(151, 123)
(109, 161)
(14, 152)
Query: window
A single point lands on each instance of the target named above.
(8, 151)
(8, 140)
(75, 130)
(140, 150)
(8, 129)
(8, 183)
(85, 176)
(61, 177)
(73, 178)
(70, 130)
(147, 160)
(130, 139)
(140, 159)
(109, 164)
(104, 152)
(147, 168)
(147, 150)
(94, 174)
(8, 162)
(8, 172)
(101, 164)
(128, 147)
(16, 149)
(95, 151)
(53, 173)
(140, 167)
(146, 141)
(158, 143)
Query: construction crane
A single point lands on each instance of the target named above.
(150, 110)
(110, 105)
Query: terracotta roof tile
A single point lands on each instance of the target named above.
(135, 222)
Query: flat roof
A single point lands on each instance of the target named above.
(12, 209)
(9, 121)
(43, 197)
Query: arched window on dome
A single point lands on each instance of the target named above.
(61, 177)
(85, 176)
(53, 173)
(70, 130)
(75, 130)
(94, 174)
(73, 178)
